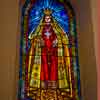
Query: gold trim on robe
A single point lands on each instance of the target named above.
(34, 67)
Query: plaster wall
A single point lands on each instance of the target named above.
(87, 49)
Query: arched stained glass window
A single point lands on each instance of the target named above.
(49, 68)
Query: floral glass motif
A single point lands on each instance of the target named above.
(49, 67)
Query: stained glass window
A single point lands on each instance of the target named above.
(49, 67)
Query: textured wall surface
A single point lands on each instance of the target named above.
(97, 28)
(87, 52)
(96, 18)
(8, 32)
(8, 49)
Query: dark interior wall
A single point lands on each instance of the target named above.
(85, 11)
(87, 51)
(8, 33)
(8, 48)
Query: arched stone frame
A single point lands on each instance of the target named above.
(87, 37)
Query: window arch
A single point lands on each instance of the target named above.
(49, 67)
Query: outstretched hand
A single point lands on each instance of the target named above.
(55, 43)
(41, 42)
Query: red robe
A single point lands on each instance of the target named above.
(49, 53)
